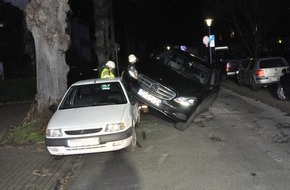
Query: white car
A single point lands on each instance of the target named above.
(95, 115)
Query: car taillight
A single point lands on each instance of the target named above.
(260, 73)
(227, 67)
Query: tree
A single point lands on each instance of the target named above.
(252, 19)
(47, 22)
(104, 30)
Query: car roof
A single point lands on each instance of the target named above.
(97, 80)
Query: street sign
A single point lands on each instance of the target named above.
(211, 41)
(205, 40)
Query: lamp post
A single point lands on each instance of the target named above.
(208, 23)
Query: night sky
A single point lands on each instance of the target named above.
(162, 21)
(145, 25)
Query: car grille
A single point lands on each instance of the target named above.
(156, 88)
(83, 132)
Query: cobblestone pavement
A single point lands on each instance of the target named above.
(31, 167)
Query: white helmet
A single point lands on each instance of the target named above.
(111, 64)
(132, 58)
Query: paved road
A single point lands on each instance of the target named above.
(265, 95)
(240, 144)
(227, 148)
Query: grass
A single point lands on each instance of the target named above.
(32, 129)
(27, 133)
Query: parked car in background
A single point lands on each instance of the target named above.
(283, 87)
(261, 72)
(228, 64)
(175, 83)
(95, 115)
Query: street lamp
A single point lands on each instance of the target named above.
(208, 23)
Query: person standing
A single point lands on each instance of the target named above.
(108, 71)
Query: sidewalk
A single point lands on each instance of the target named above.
(29, 167)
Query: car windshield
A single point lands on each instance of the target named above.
(94, 95)
(185, 64)
(269, 63)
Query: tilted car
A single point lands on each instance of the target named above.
(261, 72)
(283, 87)
(95, 115)
(175, 83)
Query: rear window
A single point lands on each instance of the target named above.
(269, 63)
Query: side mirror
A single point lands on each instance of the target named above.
(53, 108)
(284, 71)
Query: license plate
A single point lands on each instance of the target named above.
(144, 94)
(83, 142)
(275, 79)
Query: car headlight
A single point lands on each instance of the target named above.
(115, 127)
(185, 101)
(133, 71)
(53, 133)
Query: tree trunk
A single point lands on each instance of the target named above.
(103, 31)
(47, 22)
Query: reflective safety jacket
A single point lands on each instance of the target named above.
(106, 73)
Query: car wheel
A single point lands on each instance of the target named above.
(280, 93)
(184, 125)
(254, 86)
(133, 143)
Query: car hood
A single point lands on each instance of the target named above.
(170, 78)
(88, 116)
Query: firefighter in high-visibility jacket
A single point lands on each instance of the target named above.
(108, 71)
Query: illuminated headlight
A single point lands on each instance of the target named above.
(133, 71)
(53, 133)
(115, 127)
(185, 101)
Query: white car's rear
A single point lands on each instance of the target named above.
(269, 70)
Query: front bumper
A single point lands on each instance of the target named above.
(168, 108)
(105, 143)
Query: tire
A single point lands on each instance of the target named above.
(253, 85)
(133, 143)
(181, 126)
(280, 93)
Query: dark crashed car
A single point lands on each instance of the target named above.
(175, 83)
